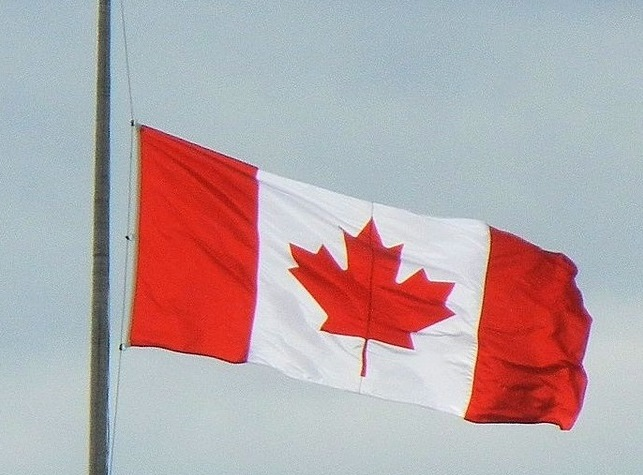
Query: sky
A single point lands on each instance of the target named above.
(526, 115)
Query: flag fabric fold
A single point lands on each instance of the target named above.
(246, 266)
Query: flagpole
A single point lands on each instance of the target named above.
(99, 378)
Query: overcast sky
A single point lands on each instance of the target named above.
(527, 115)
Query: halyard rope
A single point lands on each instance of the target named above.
(129, 224)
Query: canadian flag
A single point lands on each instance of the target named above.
(245, 266)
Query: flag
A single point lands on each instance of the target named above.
(245, 266)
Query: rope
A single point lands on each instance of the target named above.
(127, 68)
(123, 311)
(128, 237)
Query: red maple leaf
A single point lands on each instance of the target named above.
(365, 300)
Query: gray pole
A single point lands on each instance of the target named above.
(99, 379)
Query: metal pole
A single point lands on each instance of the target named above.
(99, 379)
